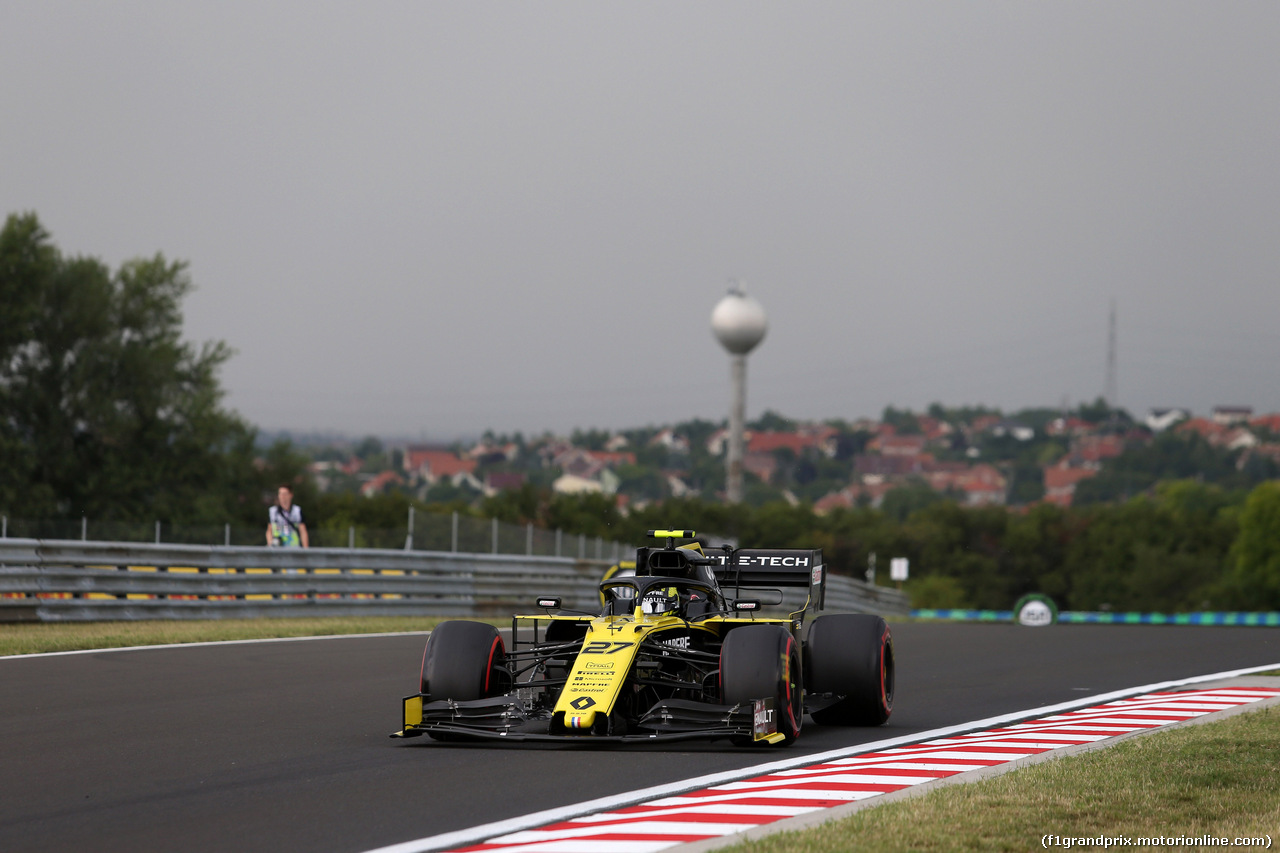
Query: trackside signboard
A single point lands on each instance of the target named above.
(1035, 611)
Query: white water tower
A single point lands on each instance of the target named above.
(739, 324)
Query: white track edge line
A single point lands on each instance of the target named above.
(476, 834)
(210, 643)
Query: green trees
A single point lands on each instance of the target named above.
(104, 409)
(1188, 546)
(1257, 550)
(771, 421)
(1171, 456)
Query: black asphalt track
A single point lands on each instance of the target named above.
(283, 746)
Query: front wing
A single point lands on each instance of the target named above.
(507, 718)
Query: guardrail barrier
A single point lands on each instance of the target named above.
(68, 580)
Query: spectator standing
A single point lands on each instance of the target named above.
(286, 527)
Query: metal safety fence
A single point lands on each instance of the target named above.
(44, 580)
(61, 580)
(423, 531)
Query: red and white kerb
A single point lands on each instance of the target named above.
(738, 806)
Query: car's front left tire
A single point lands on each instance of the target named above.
(763, 661)
(463, 660)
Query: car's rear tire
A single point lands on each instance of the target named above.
(763, 661)
(851, 654)
(463, 660)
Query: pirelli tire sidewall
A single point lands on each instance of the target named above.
(851, 654)
(462, 660)
(762, 661)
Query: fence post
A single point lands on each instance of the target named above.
(408, 539)
(157, 532)
(528, 539)
(227, 535)
(559, 537)
(4, 528)
(582, 546)
(455, 532)
(351, 536)
(84, 528)
(495, 536)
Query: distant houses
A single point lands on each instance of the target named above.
(968, 460)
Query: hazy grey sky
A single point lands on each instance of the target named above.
(435, 218)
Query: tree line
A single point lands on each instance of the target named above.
(106, 411)
(1188, 546)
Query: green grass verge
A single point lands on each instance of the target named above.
(1220, 779)
(20, 639)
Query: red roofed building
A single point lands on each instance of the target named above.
(1268, 422)
(1270, 451)
(899, 445)
(667, 438)
(934, 429)
(1092, 449)
(1227, 415)
(613, 458)
(1207, 429)
(982, 423)
(873, 492)
(842, 499)
(1060, 483)
(430, 464)
(768, 442)
(820, 437)
(501, 481)
(589, 463)
(488, 452)
(981, 485)
(380, 483)
(1239, 438)
(875, 465)
(763, 465)
(1069, 426)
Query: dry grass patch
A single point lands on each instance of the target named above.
(1220, 779)
(18, 639)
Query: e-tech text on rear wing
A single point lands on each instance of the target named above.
(773, 567)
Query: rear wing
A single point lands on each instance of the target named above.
(772, 567)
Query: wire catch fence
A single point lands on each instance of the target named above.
(423, 531)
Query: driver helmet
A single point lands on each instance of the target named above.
(658, 602)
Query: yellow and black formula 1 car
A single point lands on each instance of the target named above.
(680, 650)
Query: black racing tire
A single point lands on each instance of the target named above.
(463, 660)
(763, 661)
(851, 654)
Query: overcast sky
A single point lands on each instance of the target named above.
(429, 219)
